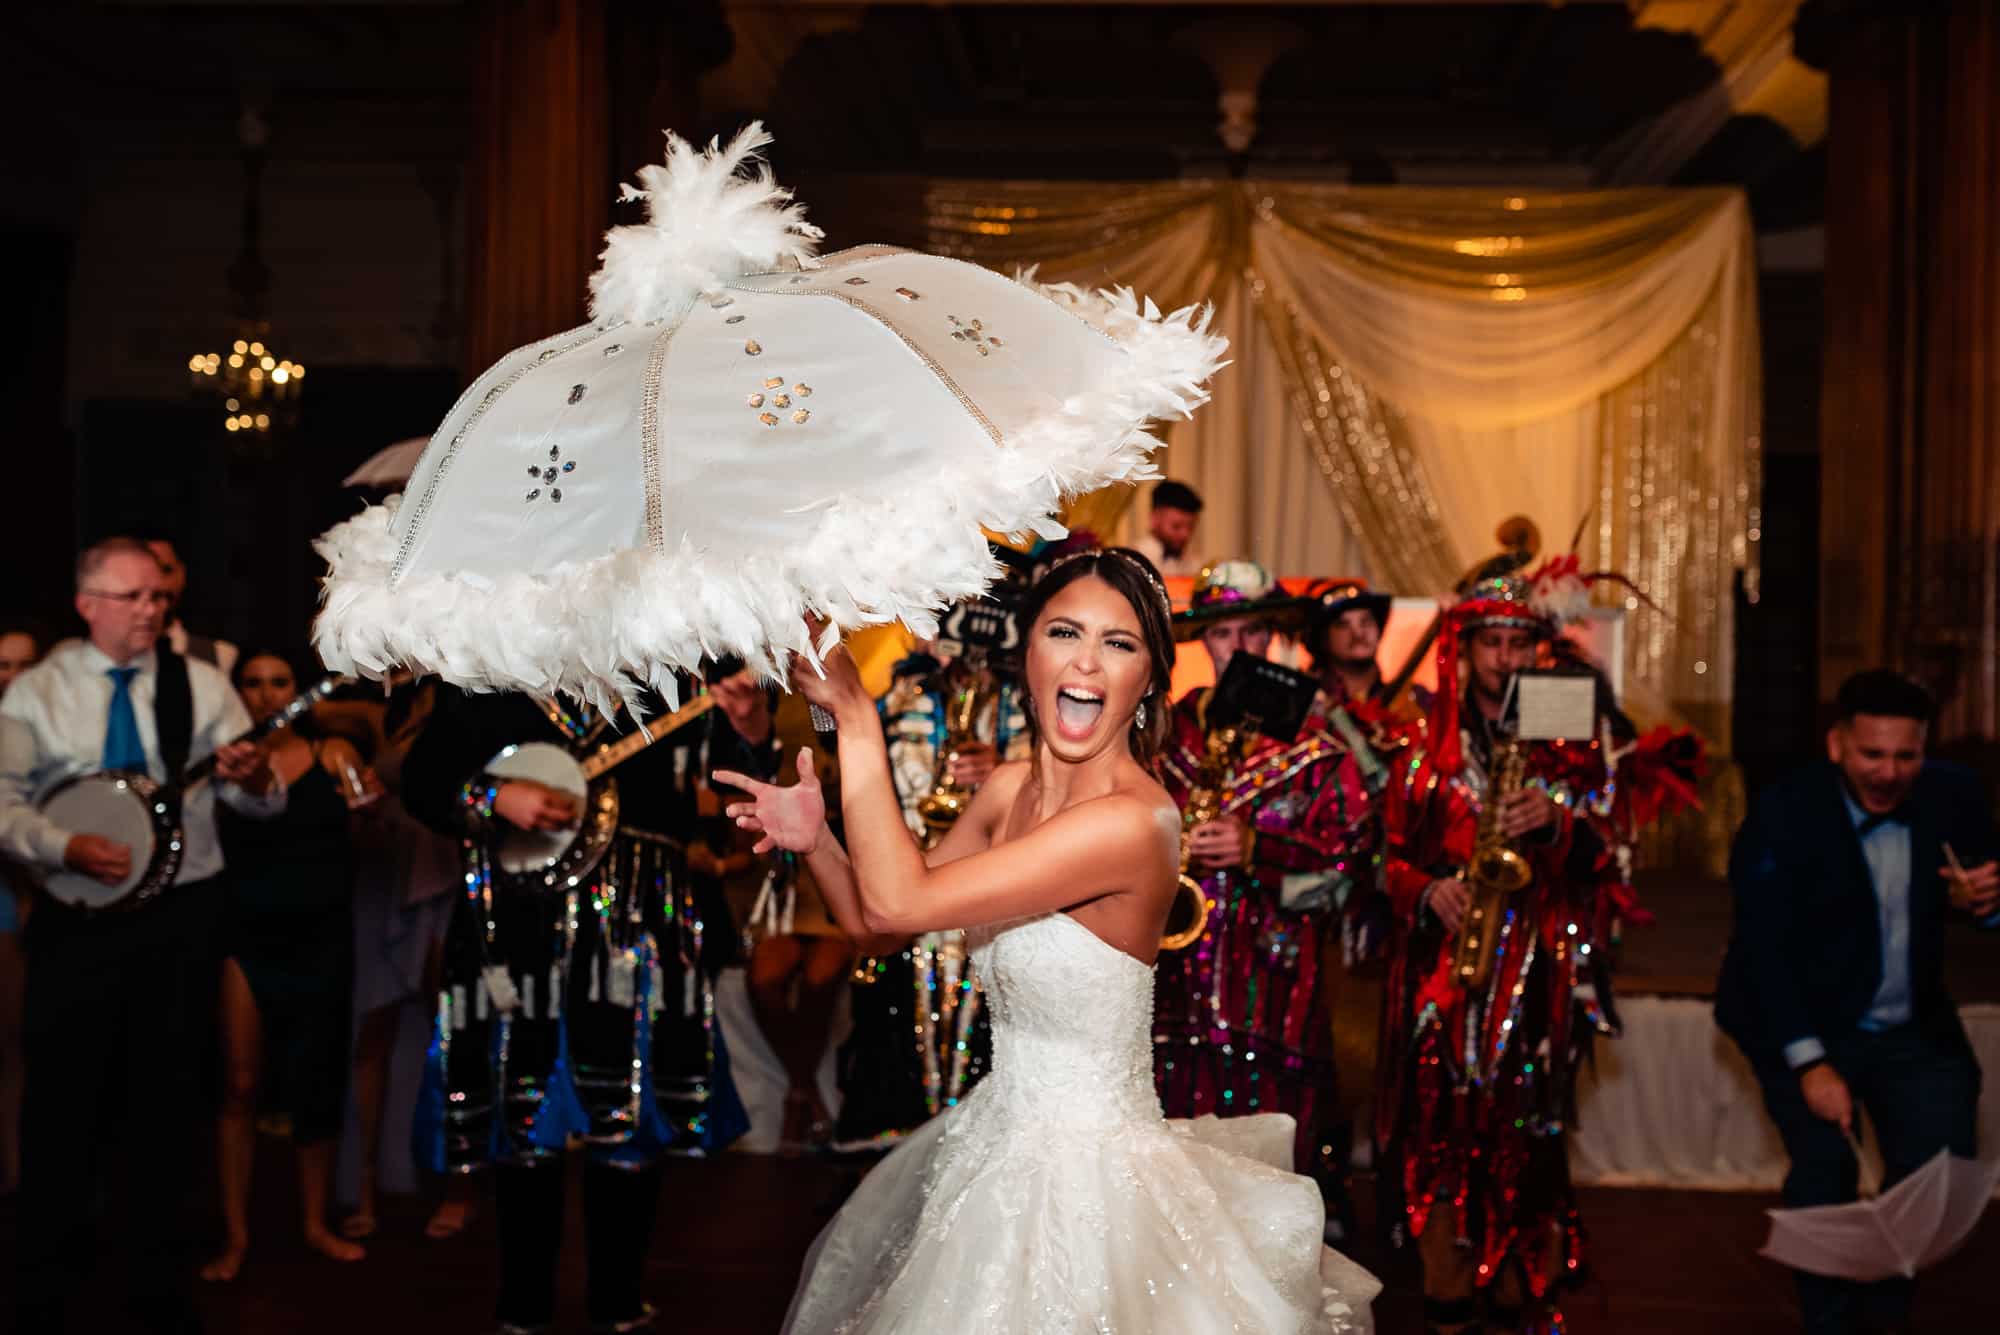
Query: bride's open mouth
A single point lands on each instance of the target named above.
(1077, 711)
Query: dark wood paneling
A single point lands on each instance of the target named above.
(1911, 426)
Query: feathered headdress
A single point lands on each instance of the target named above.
(1556, 594)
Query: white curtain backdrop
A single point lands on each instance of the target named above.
(1413, 365)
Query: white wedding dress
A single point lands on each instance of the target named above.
(1056, 1198)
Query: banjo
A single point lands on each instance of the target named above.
(564, 857)
(143, 814)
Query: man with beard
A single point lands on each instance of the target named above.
(1343, 633)
(1176, 513)
(1834, 982)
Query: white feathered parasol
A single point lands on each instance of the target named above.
(743, 435)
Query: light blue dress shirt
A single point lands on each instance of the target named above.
(1886, 849)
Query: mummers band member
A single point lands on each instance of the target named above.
(1240, 1021)
(120, 1005)
(1343, 633)
(1477, 1079)
(560, 1004)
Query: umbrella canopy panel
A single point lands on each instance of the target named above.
(623, 498)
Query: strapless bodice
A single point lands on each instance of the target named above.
(1072, 1022)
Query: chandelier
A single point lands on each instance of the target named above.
(256, 392)
(258, 389)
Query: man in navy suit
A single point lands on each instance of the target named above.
(1834, 981)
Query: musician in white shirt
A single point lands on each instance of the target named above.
(120, 1005)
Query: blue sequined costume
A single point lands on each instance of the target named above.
(570, 1012)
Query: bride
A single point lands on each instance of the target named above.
(1055, 1198)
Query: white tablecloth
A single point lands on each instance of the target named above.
(1673, 1103)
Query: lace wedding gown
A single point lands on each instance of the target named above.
(1056, 1198)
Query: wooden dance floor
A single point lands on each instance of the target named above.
(732, 1231)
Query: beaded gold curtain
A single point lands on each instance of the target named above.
(1413, 365)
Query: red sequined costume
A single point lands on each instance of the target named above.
(1240, 1021)
(1477, 1087)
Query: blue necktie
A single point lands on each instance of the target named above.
(122, 747)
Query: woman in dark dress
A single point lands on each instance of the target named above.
(288, 971)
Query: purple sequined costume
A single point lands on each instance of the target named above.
(1241, 1024)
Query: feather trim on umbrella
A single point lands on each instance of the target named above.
(897, 542)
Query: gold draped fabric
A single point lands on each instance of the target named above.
(1413, 365)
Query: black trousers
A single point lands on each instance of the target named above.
(619, 1207)
(120, 1029)
(1920, 1088)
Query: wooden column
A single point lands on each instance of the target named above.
(540, 182)
(1910, 518)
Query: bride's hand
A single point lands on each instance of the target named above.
(836, 683)
(792, 818)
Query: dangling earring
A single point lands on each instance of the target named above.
(1139, 717)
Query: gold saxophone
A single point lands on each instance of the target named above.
(972, 693)
(1188, 918)
(1496, 871)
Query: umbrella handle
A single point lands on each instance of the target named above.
(1871, 1182)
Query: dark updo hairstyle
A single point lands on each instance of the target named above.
(307, 724)
(1134, 577)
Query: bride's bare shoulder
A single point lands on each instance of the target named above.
(1140, 785)
(1007, 778)
(1148, 807)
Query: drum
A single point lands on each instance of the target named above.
(555, 857)
(131, 809)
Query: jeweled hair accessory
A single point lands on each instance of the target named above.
(1129, 557)
(743, 435)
